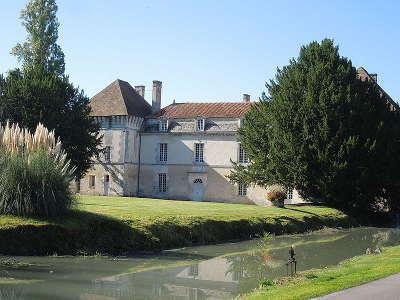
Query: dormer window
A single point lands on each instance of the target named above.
(163, 125)
(200, 124)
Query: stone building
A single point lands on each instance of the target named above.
(182, 151)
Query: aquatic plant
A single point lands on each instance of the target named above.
(34, 173)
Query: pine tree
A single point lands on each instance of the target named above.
(40, 48)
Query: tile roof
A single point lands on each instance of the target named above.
(119, 99)
(208, 110)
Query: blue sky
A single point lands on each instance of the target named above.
(209, 50)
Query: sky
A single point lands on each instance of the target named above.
(206, 51)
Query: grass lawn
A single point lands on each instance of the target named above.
(117, 225)
(318, 282)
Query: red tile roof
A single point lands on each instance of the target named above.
(208, 110)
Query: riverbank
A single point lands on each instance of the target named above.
(318, 282)
(118, 226)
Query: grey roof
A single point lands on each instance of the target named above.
(119, 99)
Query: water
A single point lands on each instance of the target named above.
(207, 272)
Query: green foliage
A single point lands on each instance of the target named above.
(325, 132)
(41, 48)
(35, 96)
(35, 175)
(33, 188)
(265, 283)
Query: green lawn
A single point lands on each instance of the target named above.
(318, 282)
(144, 208)
(117, 225)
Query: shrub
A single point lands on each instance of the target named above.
(277, 196)
(34, 173)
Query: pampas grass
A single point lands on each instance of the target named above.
(34, 173)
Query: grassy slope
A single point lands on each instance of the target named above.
(318, 282)
(116, 225)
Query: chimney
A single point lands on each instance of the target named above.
(140, 89)
(246, 98)
(156, 102)
(374, 77)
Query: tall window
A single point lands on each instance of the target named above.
(289, 194)
(92, 181)
(162, 182)
(107, 154)
(199, 152)
(242, 189)
(200, 124)
(242, 155)
(163, 125)
(163, 152)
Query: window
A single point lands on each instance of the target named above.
(289, 194)
(242, 189)
(200, 124)
(92, 181)
(199, 152)
(107, 153)
(242, 155)
(193, 270)
(163, 152)
(163, 125)
(162, 182)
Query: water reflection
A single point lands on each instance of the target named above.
(210, 272)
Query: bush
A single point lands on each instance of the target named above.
(277, 196)
(34, 173)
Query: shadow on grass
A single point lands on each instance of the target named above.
(81, 232)
(76, 233)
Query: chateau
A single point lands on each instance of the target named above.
(182, 151)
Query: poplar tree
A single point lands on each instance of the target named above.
(40, 92)
(40, 48)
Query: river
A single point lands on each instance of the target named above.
(206, 272)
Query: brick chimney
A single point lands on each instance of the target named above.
(140, 89)
(156, 102)
(374, 76)
(246, 98)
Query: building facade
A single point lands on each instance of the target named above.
(183, 151)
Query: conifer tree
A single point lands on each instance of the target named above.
(323, 131)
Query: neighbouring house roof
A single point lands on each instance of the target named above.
(119, 99)
(364, 75)
(207, 110)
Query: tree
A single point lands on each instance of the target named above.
(325, 132)
(36, 96)
(41, 48)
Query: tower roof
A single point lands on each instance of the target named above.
(119, 99)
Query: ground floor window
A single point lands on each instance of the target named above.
(162, 182)
(92, 181)
(242, 189)
(289, 194)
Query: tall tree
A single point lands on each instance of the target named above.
(38, 96)
(40, 21)
(325, 132)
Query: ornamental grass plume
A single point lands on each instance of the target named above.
(34, 173)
